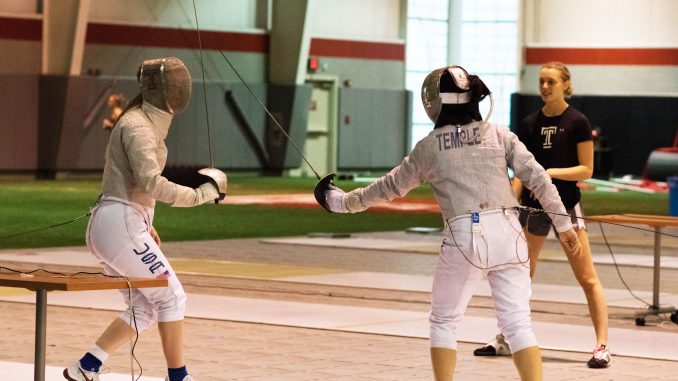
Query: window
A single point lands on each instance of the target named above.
(485, 43)
(489, 49)
(427, 49)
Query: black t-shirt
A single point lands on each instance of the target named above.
(553, 142)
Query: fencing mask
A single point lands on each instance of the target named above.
(165, 83)
(463, 89)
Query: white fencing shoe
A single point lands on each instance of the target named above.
(75, 373)
(496, 347)
(187, 378)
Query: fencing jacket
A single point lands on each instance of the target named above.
(467, 170)
(135, 158)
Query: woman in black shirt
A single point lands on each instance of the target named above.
(559, 137)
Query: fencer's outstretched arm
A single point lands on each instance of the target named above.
(394, 184)
(140, 145)
(534, 177)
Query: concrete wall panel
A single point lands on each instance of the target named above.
(373, 129)
(18, 122)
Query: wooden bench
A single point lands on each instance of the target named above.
(41, 284)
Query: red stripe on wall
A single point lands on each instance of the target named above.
(132, 35)
(357, 49)
(175, 38)
(21, 29)
(603, 56)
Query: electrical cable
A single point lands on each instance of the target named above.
(537, 210)
(524, 263)
(607, 243)
(275, 121)
(56, 274)
(45, 227)
(531, 211)
(616, 266)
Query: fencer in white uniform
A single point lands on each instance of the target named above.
(465, 160)
(120, 233)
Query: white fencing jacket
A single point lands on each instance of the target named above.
(466, 174)
(135, 158)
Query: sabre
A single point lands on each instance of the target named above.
(217, 176)
(204, 87)
(323, 182)
(237, 73)
(275, 121)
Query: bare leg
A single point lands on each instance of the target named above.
(444, 361)
(115, 335)
(586, 275)
(172, 337)
(528, 363)
(534, 245)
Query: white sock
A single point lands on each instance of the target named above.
(99, 353)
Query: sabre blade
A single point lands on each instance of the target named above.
(204, 87)
(275, 121)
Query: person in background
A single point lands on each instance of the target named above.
(116, 104)
(560, 139)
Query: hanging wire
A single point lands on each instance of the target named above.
(204, 87)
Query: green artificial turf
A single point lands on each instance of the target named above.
(625, 202)
(26, 205)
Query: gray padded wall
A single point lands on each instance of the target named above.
(373, 128)
(84, 147)
(42, 124)
(18, 122)
(365, 73)
(290, 106)
(187, 141)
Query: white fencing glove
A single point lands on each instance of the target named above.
(208, 192)
(335, 199)
(218, 179)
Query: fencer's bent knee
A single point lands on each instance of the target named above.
(173, 308)
(519, 335)
(139, 319)
(443, 332)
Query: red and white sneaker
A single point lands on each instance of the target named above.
(601, 358)
(75, 373)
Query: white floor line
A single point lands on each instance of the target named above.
(423, 283)
(70, 257)
(16, 371)
(432, 244)
(82, 257)
(359, 243)
(626, 342)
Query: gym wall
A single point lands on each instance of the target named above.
(369, 56)
(623, 57)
